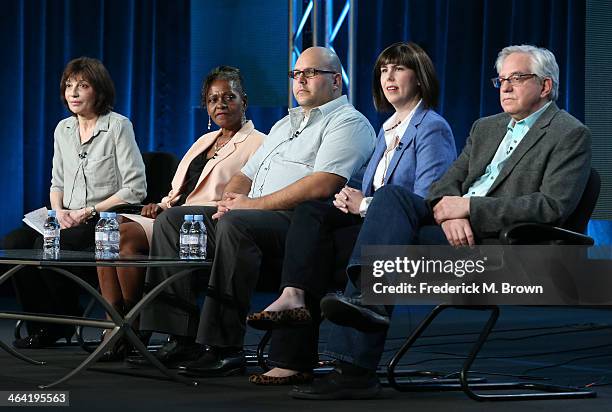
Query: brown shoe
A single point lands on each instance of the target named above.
(297, 379)
(289, 318)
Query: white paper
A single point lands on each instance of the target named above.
(36, 219)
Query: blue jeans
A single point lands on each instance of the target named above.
(396, 216)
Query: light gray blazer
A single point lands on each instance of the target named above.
(541, 181)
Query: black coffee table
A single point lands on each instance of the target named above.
(120, 326)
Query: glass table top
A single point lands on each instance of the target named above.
(73, 258)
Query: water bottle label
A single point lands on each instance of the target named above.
(101, 236)
(49, 233)
(193, 239)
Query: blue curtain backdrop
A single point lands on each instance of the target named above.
(144, 44)
(463, 39)
(151, 51)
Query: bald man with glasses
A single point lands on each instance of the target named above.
(309, 154)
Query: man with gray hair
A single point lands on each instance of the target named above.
(527, 164)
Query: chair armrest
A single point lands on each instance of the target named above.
(537, 233)
(126, 208)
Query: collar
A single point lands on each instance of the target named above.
(530, 120)
(244, 131)
(401, 127)
(102, 124)
(296, 114)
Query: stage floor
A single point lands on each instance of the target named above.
(569, 346)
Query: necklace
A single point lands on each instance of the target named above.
(394, 126)
(218, 146)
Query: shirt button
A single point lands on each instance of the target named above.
(492, 178)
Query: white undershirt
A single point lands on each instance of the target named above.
(392, 136)
(303, 124)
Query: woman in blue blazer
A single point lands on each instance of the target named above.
(414, 148)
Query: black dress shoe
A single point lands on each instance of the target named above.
(43, 338)
(118, 352)
(346, 311)
(216, 362)
(123, 348)
(341, 383)
(173, 353)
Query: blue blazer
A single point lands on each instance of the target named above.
(423, 155)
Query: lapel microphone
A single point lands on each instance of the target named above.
(82, 155)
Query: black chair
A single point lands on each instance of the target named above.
(159, 168)
(572, 233)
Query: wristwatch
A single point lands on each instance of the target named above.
(92, 211)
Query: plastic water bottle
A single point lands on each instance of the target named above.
(112, 230)
(194, 238)
(184, 237)
(101, 236)
(197, 233)
(51, 234)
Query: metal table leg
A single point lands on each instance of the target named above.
(121, 326)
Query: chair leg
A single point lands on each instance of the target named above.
(18, 325)
(422, 381)
(261, 347)
(468, 385)
(542, 391)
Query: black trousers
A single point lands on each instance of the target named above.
(175, 311)
(45, 291)
(309, 262)
(239, 243)
(244, 239)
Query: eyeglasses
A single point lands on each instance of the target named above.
(514, 79)
(308, 72)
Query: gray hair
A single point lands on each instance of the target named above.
(543, 63)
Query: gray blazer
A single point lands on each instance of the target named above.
(541, 182)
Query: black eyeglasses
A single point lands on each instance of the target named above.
(515, 79)
(308, 72)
